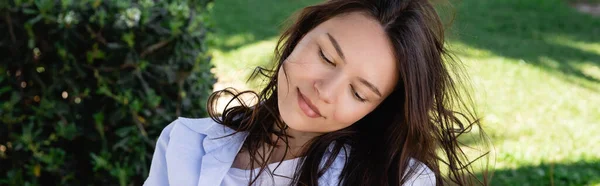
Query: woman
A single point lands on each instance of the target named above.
(360, 95)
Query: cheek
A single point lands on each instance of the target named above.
(349, 112)
(284, 84)
(282, 81)
(284, 97)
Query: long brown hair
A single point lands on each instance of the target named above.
(421, 119)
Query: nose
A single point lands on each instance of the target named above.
(327, 90)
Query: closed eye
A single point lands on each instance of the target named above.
(356, 95)
(325, 58)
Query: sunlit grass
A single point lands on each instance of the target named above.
(534, 67)
(231, 68)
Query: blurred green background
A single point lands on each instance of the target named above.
(535, 67)
(86, 86)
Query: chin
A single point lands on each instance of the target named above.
(301, 127)
(292, 120)
(297, 122)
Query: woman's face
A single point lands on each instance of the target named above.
(338, 73)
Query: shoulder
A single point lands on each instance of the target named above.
(182, 147)
(179, 145)
(185, 132)
(204, 126)
(199, 125)
(421, 174)
(208, 133)
(193, 131)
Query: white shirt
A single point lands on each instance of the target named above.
(273, 175)
(194, 152)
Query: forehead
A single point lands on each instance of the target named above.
(366, 47)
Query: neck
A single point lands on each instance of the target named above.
(296, 142)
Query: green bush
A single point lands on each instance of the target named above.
(87, 85)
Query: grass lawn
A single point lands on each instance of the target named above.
(535, 67)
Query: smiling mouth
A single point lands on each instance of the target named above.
(306, 106)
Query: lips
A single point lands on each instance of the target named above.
(307, 107)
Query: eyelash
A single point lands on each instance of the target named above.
(352, 91)
(356, 94)
(325, 58)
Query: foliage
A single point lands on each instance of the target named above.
(86, 86)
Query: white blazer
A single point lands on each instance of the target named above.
(194, 152)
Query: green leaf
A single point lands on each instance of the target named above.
(121, 143)
(94, 54)
(65, 4)
(45, 6)
(100, 162)
(35, 19)
(175, 27)
(129, 38)
(30, 11)
(124, 131)
(136, 105)
(99, 123)
(96, 3)
(66, 130)
(4, 89)
(100, 17)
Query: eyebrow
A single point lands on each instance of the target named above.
(337, 47)
(371, 86)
